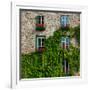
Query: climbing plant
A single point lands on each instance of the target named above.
(49, 62)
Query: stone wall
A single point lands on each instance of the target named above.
(52, 23)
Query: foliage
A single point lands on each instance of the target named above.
(77, 33)
(49, 62)
(38, 28)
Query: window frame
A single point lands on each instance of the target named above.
(39, 37)
(40, 23)
(64, 41)
(66, 67)
(66, 22)
(40, 19)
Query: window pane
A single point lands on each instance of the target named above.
(42, 19)
(62, 21)
(63, 39)
(39, 19)
(63, 45)
(65, 20)
(67, 40)
(67, 67)
(43, 40)
(39, 42)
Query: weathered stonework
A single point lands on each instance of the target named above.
(52, 23)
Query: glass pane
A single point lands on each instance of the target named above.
(67, 66)
(42, 19)
(67, 40)
(65, 20)
(43, 40)
(39, 19)
(63, 45)
(62, 20)
(39, 42)
(63, 39)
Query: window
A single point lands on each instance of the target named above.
(40, 23)
(66, 66)
(40, 42)
(65, 41)
(40, 20)
(64, 21)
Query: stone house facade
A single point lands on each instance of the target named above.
(49, 20)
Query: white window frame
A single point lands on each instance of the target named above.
(16, 82)
(39, 37)
(65, 41)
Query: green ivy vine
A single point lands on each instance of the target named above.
(49, 62)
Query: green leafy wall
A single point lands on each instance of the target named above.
(49, 62)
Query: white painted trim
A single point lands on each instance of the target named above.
(64, 41)
(39, 37)
(15, 82)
